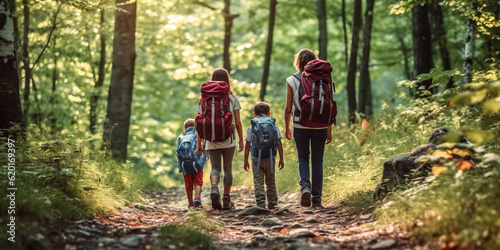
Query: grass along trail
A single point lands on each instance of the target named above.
(288, 227)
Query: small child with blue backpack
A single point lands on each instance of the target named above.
(190, 163)
(263, 141)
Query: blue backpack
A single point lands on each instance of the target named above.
(188, 160)
(264, 139)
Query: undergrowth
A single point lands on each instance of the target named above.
(64, 178)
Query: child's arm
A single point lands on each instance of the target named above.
(280, 151)
(246, 166)
(199, 148)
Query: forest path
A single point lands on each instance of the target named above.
(289, 227)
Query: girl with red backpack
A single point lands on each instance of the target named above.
(309, 102)
(215, 130)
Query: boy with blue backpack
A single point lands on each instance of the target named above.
(263, 141)
(190, 163)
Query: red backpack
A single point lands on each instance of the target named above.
(214, 123)
(317, 107)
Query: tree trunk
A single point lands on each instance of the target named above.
(439, 32)
(269, 48)
(10, 102)
(228, 24)
(323, 32)
(26, 62)
(351, 71)
(94, 99)
(365, 101)
(469, 47)
(116, 126)
(16, 34)
(345, 33)
(422, 48)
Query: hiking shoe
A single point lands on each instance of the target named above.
(316, 202)
(271, 206)
(197, 202)
(305, 198)
(215, 197)
(227, 204)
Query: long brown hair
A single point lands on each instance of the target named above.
(221, 74)
(302, 58)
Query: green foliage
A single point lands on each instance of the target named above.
(65, 178)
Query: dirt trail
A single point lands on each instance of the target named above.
(289, 227)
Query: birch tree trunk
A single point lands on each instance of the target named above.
(10, 102)
(116, 126)
(469, 48)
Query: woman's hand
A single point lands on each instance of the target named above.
(288, 133)
(240, 146)
(329, 137)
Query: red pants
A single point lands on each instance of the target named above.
(193, 180)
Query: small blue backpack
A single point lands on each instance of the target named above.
(188, 160)
(264, 139)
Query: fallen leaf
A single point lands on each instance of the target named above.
(445, 154)
(461, 152)
(438, 169)
(148, 217)
(284, 231)
(465, 165)
(117, 219)
(317, 238)
(104, 221)
(174, 217)
(116, 213)
(362, 142)
(131, 218)
(364, 124)
(140, 216)
(134, 224)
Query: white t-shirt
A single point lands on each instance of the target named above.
(231, 141)
(295, 84)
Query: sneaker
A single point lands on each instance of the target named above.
(227, 204)
(305, 198)
(197, 202)
(215, 197)
(316, 202)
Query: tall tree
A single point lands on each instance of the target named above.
(422, 48)
(94, 99)
(365, 91)
(344, 27)
(117, 122)
(352, 68)
(439, 33)
(228, 25)
(469, 45)
(269, 48)
(323, 32)
(26, 61)
(10, 102)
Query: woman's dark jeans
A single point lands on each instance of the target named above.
(315, 140)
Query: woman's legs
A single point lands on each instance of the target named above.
(228, 155)
(302, 140)
(318, 139)
(216, 162)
